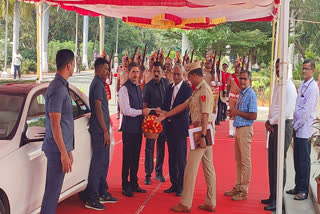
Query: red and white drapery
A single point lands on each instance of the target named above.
(183, 14)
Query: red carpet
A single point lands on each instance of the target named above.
(156, 202)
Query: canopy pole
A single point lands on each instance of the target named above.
(271, 63)
(284, 26)
(101, 34)
(39, 40)
(5, 74)
(76, 46)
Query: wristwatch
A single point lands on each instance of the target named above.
(202, 136)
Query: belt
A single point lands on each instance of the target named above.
(198, 124)
(234, 96)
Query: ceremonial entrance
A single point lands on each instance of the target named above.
(155, 201)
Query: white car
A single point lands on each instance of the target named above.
(22, 163)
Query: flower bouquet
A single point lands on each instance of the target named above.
(151, 129)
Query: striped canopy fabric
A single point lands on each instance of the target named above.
(164, 14)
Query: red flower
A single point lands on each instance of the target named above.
(149, 126)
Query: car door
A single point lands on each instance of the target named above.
(82, 143)
(29, 162)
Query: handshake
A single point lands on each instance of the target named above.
(161, 115)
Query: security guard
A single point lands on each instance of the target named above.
(59, 140)
(200, 104)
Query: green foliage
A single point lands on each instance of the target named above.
(54, 46)
(28, 66)
(310, 55)
(307, 36)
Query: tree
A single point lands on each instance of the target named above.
(16, 23)
(307, 36)
(45, 34)
(85, 41)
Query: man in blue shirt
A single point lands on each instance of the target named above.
(245, 113)
(100, 139)
(303, 119)
(59, 140)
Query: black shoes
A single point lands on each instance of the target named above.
(170, 190)
(266, 201)
(95, 205)
(147, 181)
(128, 192)
(270, 207)
(107, 198)
(292, 192)
(160, 178)
(138, 189)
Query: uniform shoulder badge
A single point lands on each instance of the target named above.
(203, 98)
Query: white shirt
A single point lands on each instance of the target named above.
(17, 59)
(306, 109)
(291, 96)
(176, 89)
(125, 104)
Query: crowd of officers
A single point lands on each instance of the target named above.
(186, 95)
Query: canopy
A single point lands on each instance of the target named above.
(164, 14)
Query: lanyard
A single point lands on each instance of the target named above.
(239, 103)
(302, 93)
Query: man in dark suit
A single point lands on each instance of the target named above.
(176, 128)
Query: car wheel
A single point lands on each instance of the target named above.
(2, 209)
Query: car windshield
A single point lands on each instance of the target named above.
(10, 110)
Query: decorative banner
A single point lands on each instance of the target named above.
(167, 21)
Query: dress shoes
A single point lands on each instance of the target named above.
(160, 178)
(180, 208)
(147, 181)
(170, 190)
(240, 196)
(138, 189)
(231, 193)
(270, 207)
(207, 207)
(292, 192)
(127, 193)
(266, 201)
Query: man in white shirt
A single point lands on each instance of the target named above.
(272, 126)
(303, 119)
(17, 63)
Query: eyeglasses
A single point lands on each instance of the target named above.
(306, 69)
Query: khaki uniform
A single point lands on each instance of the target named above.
(207, 76)
(201, 101)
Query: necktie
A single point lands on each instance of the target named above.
(174, 94)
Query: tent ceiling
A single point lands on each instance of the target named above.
(230, 10)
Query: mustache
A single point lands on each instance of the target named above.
(156, 76)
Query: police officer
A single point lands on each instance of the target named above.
(100, 139)
(201, 106)
(58, 142)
